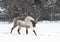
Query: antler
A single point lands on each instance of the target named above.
(38, 18)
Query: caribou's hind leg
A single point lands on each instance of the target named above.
(13, 28)
(19, 30)
(26, 30)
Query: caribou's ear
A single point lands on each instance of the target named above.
(33, 22)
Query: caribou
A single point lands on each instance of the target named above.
(24, 21)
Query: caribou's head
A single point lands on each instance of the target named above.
(35, 21)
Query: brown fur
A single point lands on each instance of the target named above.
(15, 24)
(33, 22)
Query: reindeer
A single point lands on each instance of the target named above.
(26, 21)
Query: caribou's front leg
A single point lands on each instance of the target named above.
(33, 29)
(34, 32)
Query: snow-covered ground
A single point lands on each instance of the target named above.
(46, 32)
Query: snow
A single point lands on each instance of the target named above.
(2, 9)
(46, 32)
